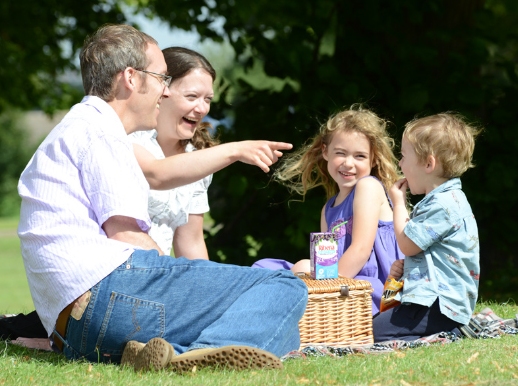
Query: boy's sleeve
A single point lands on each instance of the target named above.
(430, 224)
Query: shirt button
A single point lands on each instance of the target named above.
(128, 266)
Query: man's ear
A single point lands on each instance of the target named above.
(128, 78)
(324, 152)
(431, 164)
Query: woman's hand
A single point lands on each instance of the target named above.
(262, 154)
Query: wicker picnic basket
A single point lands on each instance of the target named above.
(339, 313)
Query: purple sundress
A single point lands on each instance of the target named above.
(384, 252)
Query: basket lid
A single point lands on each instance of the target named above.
(340, 284)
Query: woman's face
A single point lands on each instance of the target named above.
(187, 105)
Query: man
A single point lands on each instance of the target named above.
(97, 279)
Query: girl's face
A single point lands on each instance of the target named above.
(348, 159)
(187, 105)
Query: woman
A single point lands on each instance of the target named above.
(167, 159)
(177, 214)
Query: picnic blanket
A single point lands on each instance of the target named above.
(483, 325)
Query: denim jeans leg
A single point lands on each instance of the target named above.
(191, 304)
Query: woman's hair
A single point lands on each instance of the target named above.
(108, 51)
(180, 62)
(445, 136)
(306, 168)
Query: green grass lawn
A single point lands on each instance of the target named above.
(467, 362)
(14, 291)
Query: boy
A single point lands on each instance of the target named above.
(440, 240)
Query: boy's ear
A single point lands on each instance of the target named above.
(431, 164)
(324, 152)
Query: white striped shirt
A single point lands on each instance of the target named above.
(83, 173)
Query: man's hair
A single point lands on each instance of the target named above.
(108, 51)
(445, 136)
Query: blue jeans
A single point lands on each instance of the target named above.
(190, 303)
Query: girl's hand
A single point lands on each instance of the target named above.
(397, 192)
(397, 269)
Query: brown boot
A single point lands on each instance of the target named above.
(130, 353)
(229, 357)
(155, 355)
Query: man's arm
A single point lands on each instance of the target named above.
(126, 229)
(183, 169)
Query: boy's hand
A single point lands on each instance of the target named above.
(397, 269)
(397, 192)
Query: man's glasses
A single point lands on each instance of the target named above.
(166, 79)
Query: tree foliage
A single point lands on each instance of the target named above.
(38, 43)
(400, 58)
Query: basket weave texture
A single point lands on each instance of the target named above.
(339, 313)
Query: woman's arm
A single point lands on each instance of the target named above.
(367, 203)
(188, 240)
(183, 169)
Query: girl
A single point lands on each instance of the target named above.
(352, 158)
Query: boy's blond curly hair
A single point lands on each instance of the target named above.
(447, 137)
(306, 168)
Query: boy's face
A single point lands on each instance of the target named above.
(413, 170)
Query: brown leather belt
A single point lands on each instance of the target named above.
(61, 325)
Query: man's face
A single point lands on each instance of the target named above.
(150, 89)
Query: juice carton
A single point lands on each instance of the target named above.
(323, 254)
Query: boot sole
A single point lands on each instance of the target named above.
(228, 357)
(155, 355)
(129, 355)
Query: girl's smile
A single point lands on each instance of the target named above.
(348, 159)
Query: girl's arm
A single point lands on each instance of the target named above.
(323, 222)
(305, 265)
(183, 169)
(188, 240)
(368, 199)
(397, 195)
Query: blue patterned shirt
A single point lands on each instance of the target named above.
(442, 224)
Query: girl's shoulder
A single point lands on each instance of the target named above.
(369, 182)
(371, 189)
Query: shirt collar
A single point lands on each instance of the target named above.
(451, 184)
(107, 112)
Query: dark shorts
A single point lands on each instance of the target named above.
(410, 322)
